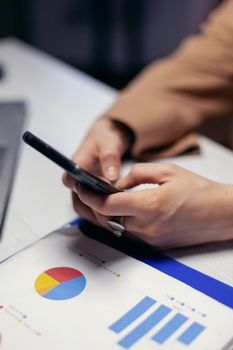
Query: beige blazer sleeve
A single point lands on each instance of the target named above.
(173, 97)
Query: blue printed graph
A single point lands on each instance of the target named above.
(169, 328)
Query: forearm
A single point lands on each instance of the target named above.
(177, 95)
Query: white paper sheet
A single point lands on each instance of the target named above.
(115, 283)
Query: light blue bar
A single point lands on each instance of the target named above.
(132, 314)
(144, 327)
(169, 328)
(191, 333)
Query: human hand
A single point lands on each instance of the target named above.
(186, 209)
(101, 151)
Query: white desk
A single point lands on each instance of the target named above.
(62, 103)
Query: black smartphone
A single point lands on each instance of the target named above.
(76, 172)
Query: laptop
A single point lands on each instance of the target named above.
(12, 119)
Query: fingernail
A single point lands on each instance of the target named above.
(111, 173)
(120, 183)
(76, 187)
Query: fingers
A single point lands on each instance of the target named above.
(67, 180)
(147, 173)
(133, 224)
(87, 213)
(106, 151)
(130, 223)
(100, 152)
(110, 165)
(85, 157)
(101, 220)
(82, 209)
(117, 204)
(110, 159)
(136, 218)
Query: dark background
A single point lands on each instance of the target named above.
(109, 39)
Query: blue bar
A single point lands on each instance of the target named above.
(144, 327)
(215, 289)
(132, 314)
(169, 328)
(191, 333)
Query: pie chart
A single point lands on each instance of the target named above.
(60, 283)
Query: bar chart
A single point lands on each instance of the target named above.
(170, 329)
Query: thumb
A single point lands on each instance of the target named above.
(146, 173)
(110, 165)
(110, 160)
